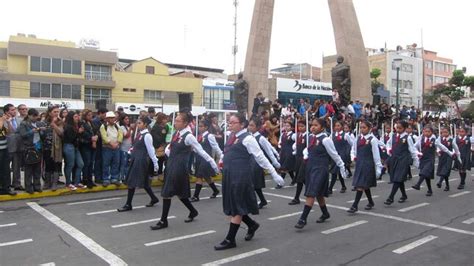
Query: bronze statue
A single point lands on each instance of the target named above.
(341, 81)
(241, 94)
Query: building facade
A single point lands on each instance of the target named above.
(297, 71)
(39, 72)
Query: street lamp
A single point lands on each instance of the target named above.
(397, 62)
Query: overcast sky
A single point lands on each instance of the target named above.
(200, 32)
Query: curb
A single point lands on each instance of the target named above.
(99, 188)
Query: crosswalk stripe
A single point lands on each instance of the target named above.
(237, 257)
(179, 238)
(459, 194)
(343, 227)
(91, 201)
(415, 244)
(7, 225)
(4, 244)
(139, 222)
(414, 207)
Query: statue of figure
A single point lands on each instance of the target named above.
(241, 93)
(341, 81)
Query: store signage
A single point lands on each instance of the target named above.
(304, 86)
(43, 103)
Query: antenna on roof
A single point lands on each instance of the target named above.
(235, 48)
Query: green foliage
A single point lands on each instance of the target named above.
(375, 73)
(457, 80)
(469, 112)
(469, 82)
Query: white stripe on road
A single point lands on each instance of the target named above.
(381, 181)
(237, 257)
(1, 211)
(91, 201)
(415, 244)
(414, 207)
(285, 216)
(113, 210)
(373, 197)
(179, 238)
(7, 225)
(414, 176)
(459, 194)
(343, 227)
(390, 217)
(48, 264)
(86, 241)
(453, 179)
(16, 242)
(469, 221)
(139, 222)
(283, 187)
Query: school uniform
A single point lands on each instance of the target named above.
(445, 160)
(413, 138)
(427, 148)
(343, 145)
(300, 165)
(383, 151)
(287, 159)
(401, 150)
(464, 145)
(202, 167)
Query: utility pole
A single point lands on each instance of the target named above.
(235, 47)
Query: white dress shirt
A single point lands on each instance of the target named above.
(375, 151)
(267, 148)
(445, 149)
(331, 150)
(148, 139)
(411, 146)
(214, 145)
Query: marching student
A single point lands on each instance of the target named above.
(343, 143)
(300, 166)
(287, 159)
(347, 130)
(445, 161)
(414, 138)
(320, 151)
(143, 163)
(464, 143)
(426, 146)
(368, 166)
(383, 148)
(237, 187)
(177, 170)
(258, 173)
(401, 150)
(204, 169)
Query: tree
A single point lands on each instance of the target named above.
(469, 82)
(450, 92)
(469, 112)
(375, 84)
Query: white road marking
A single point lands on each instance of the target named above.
(15, 242)
(414, 176)
(237, 257)
(48, 264)
(469, 221)
(179, 238)
(390, 217)
(139, 222)
(415, 244)
(7, 225)
(1, 211)
(459, 194)
(373, 197)
(381, 181)
(414, 207)
(113, 210)
(285, 216)
(86, 241)
(343, 227)
(91, 201)
(453, 179)
(283, 187)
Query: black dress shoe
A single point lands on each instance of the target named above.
(329, 191)
(30, 191)
(292, 183)
(352, 210)
(194, 199)
(353, 189)
(402, 200)
(368, 207)
(294, 202)
(214, 195)
(152, 203)
(446, 189)
(262, 204)
(300, 224)
(251, 231)
(20, 188)
(461, 186)
(278, 187)
(191, 217)
(226, 244)
(388, 201)
(343, 190)
(438, 185)
(125, 208)
(159, 225)
(39, 190)
(416, 187)
(429, 193)
(323, 218)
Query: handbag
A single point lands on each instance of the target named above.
(32, 156)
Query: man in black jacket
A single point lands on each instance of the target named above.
(257, 102)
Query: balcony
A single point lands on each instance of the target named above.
(98, 76)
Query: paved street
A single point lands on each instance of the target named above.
(85, 230)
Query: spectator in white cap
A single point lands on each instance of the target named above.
(112, 137)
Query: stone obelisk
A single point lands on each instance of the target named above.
(258, 50)
(349, 43)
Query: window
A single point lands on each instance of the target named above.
(4, 88)
(76, 92)
(408, 84)
(98, 72)
(429, 79)
(56, 91)
(150, 69)
(56, 65)
(218, 99)
(35, 63)
(439, 80)
(34, 89)
(453, 67)
(67, 66)
(407, 68)
(45, 64)
(129, 90)
(429, 64)
(66, 91)
(76, 67)
(45, 90)
(152, 96)
(91, 95)
(440, 67)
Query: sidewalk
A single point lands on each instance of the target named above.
(156, 182)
